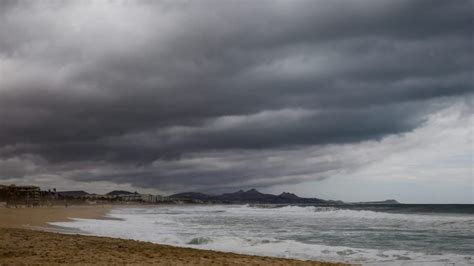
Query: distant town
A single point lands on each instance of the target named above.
(18, 196)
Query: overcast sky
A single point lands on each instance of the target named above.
(351, 100)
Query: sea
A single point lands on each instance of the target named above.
(406, 234)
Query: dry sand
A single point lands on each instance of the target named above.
(26, 246)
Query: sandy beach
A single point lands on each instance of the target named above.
(40, 216)
(19, 244)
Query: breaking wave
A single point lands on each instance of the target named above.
(303, 232)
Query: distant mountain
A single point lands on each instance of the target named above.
(76, 193)
(290, 196)
(119, 192)
(191, 196)
(389, 201)
(249, 196)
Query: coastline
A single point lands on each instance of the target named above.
(26, 237)
(39, 217)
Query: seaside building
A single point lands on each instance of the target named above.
(130, 197)
(20, 195)
(77, 194)
(152, 198)
(32, 196)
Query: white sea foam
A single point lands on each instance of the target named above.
(290, 232)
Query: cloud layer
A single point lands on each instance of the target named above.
(212, 95)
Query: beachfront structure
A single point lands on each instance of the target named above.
(77, 194)
(31, 195)
(20, 195)
(130, 197)
(152, 198)
(148, 198)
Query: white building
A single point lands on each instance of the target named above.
(152, 198)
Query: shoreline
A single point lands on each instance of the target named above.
(27, 237)
(26, 217)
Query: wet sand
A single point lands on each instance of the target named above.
(25, 246)
(40, 216)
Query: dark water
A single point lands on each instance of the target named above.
(413, 208)
(390, 208)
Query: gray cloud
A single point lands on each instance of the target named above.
(122, 86)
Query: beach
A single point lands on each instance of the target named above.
(21, 244)
(41, 216)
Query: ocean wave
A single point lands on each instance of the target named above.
(335, 212)
(281, 232)
(199, 241)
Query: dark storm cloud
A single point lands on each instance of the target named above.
(134, 83)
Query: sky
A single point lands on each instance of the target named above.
(348, 100)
